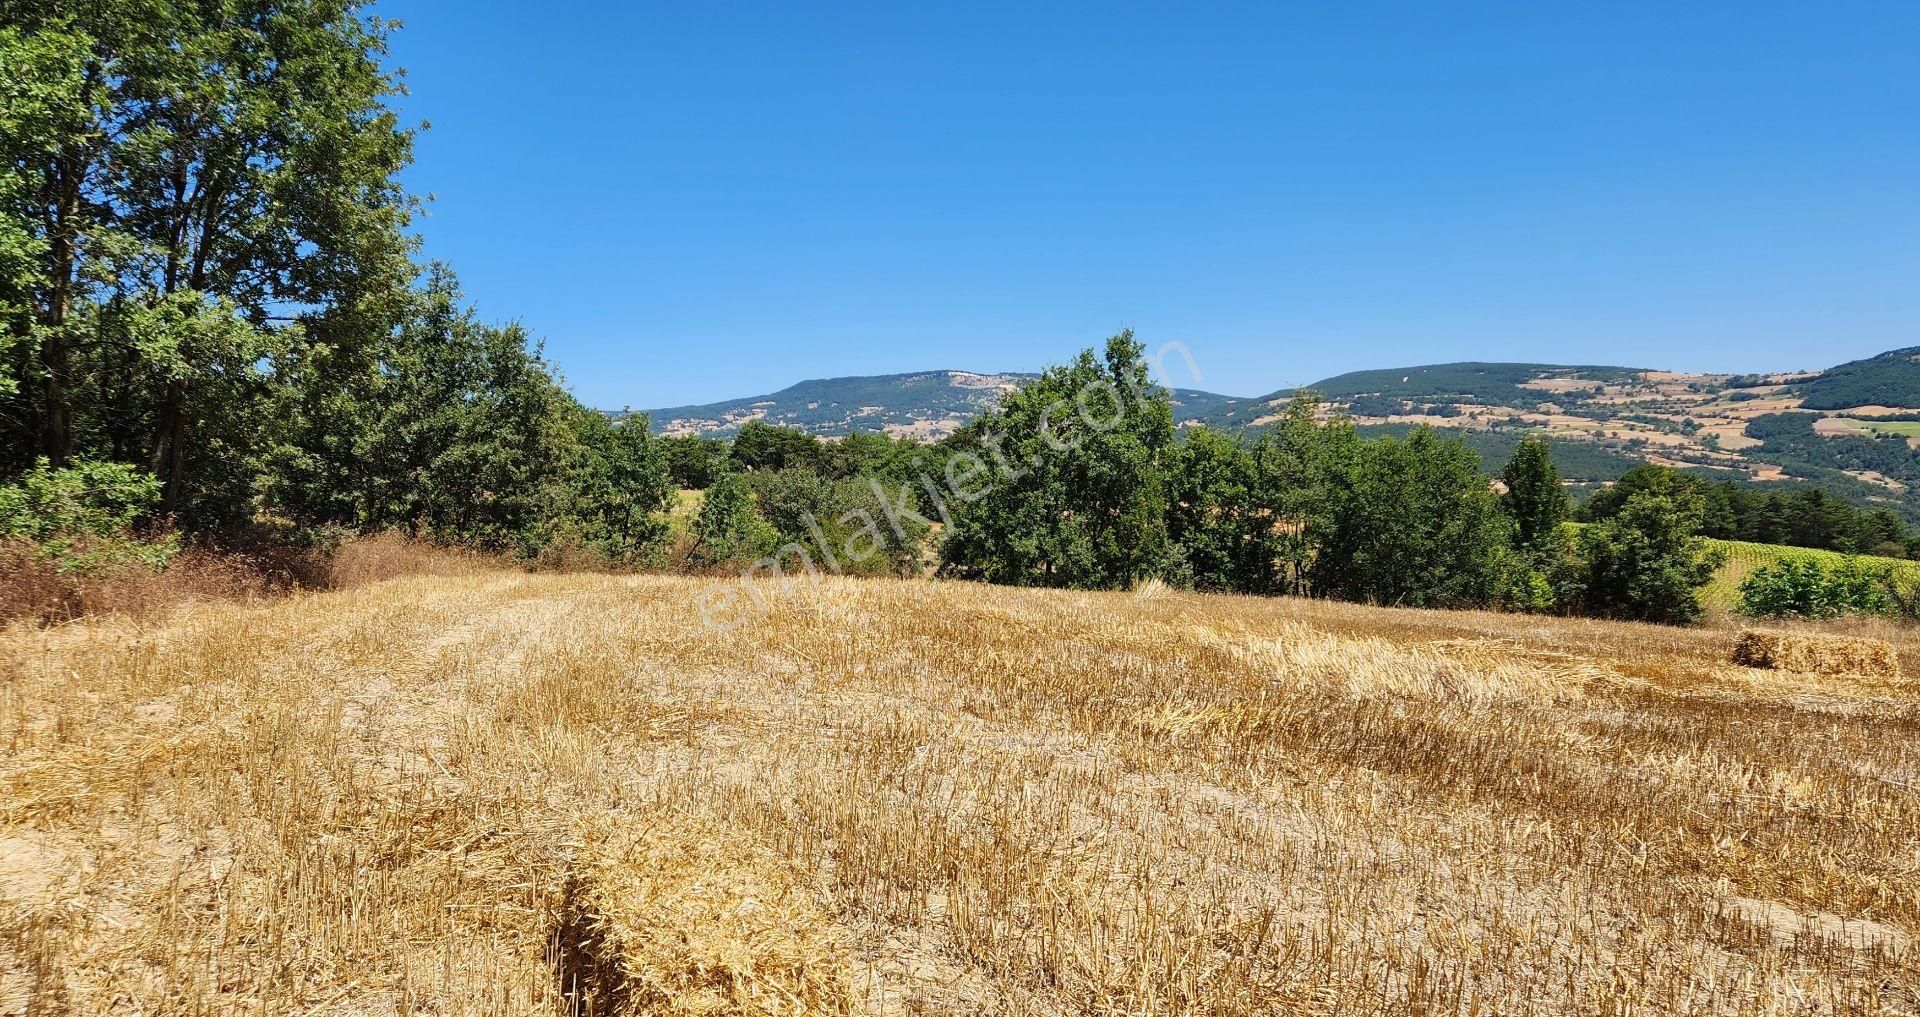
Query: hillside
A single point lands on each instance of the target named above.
(925, 404)
(478, 795)
(1890, 379)
(1756, 430)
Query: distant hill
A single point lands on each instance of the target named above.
(1890, 379)
(924, 404)
(1389, 391)
(1853, 429)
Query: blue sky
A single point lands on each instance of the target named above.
(696, 201)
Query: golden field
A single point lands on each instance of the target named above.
(506, 794)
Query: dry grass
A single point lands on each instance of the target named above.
(32, 588)
(1817, 653)
(506, 794)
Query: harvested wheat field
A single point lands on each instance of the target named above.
(511, 794)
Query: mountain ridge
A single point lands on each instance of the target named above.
(1775, 430)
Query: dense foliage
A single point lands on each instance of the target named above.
(1645, 562)
(1306, 506)
(1890, 379)
(84, 517)
(1809, 517)
(1068, 483)
(1808, 588)
(208, 286)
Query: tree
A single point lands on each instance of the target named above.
(838, 525)
(1069, 487)
(763, 446)
(196, 192)
(1213, 519)
(459, 431)
(1807, 588)
(1608, 501)
(1534, 500)
(693, 461)
(83, 517)
(1299, 464)
(1412, 523)
(726, 530)
(613, 496)
(1644, 563)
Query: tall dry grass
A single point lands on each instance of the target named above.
(499, 793)
(34, 588)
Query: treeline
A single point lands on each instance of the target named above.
(1080, 480)
(1809, 518)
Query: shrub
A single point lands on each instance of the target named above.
(1644, 564)
(727, 530)
(81, 518)
(840, 525)
(1807, 588)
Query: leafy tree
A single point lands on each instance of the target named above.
(1071, 490)
(693, 461)
(865, 454)
(838, 526)
(613, 496)
(1299, 464)
(459, 431)
(1213, 519)
(763, 446)
(727, 530)
(196, 191)
(1534, 499)
(1412, 523)
(1608, 501)
(1644, 563)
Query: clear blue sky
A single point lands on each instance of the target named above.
(697, 201)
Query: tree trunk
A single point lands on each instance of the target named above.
(170, 444)
(55, 355)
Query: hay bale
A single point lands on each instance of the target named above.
(1813, 653)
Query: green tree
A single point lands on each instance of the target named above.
(459, 431)
(613, 495)
(693, 461)
(1644, 563)
(763, 446)
(1069, 486)
(84, 517)
(1806, 588)
(1534, 500)
(192, 192)
(1412, 523)
(1214, 519)
(727, 530)
(1300, 463)
(838, 525)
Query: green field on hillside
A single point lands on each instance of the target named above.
(1907, 428)
(1743, 558)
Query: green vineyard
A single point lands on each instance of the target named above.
(1743, 558)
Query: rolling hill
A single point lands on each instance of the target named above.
(924, 404)
(1853, 429)
(1890, 379)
